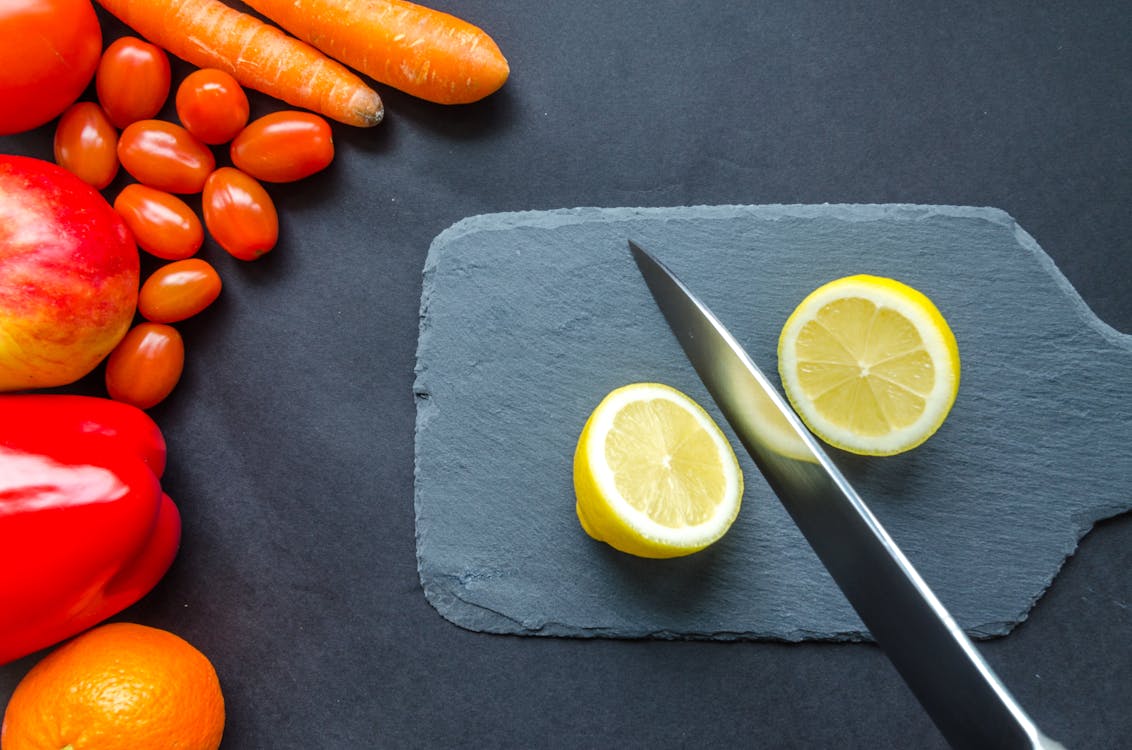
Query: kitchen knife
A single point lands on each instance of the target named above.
(968, 703)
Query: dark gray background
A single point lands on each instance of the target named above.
(291, 434)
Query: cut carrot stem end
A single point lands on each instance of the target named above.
(210, 34)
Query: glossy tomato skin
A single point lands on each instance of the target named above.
(162, 224)
(146, 365)
(132, 80)
(48, 55)
(212, 105)
(165, 156)
(178, 290)
(86, 144)
(283, 146)
(239, 214)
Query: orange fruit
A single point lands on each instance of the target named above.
(117, 687)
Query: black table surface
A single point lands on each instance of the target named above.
(291, 432)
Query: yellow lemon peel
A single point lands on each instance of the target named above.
(654, 476)
(870, 365)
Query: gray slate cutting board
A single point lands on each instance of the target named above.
(529, 319)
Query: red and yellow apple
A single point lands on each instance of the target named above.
(68, 275)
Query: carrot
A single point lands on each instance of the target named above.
(427, 53)
(210, 34)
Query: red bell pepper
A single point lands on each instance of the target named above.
(85, 529)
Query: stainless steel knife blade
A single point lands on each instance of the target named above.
(968, 703)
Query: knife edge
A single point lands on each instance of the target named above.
(967, 701)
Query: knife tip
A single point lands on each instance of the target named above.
(638, 251)
(647, 263)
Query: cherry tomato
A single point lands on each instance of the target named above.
(165, 156)
(146, 365)
(239, 214)
(48, 55)
(133, 80)
(283, 146)
(162, 224)
(86, 144)
(178, 290)
(212, 105)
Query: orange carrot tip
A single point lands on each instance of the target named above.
(211, 34)
(423, 52)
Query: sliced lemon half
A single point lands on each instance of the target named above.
(869, 364)
(654, 476)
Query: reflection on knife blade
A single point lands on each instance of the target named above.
(966, 700)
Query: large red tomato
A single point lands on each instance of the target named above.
(49, 50)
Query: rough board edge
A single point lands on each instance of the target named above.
(508, 220)
(851, 212)
(1110, 334)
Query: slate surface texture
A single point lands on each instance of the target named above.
(529, 319)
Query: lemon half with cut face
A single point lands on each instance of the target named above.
(870, 365)
(654, 476)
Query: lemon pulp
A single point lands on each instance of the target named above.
(869, 364)
(653, 474)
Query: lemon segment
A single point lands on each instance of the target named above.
(654, 476)
(870, 365)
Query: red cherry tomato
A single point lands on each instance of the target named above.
(86, 144)
(133, 80)
(48, 55)
(146, 365)
(283, 146)
(178, 290)
(162, 224)
(212, 105)
(165, 156)
(239, 214)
